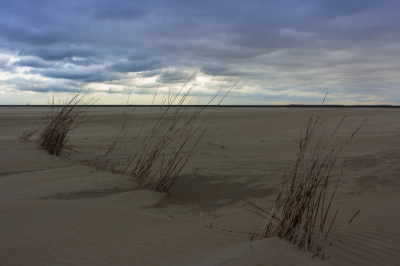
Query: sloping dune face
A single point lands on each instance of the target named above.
(60, 211)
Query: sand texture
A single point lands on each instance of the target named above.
(59, 211)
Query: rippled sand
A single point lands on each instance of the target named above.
(57, 211)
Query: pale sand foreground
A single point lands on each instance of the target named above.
(55, 212)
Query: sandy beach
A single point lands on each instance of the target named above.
(60, 211)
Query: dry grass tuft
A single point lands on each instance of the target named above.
(301, 208)
(172, 141)
(61, 122)
(177, 127)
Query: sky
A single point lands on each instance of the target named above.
(279, 52)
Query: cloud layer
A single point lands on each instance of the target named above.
(281, 51)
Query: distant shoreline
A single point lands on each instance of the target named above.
(228, 106)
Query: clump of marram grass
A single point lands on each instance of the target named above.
(172, 141)
(152, 166)
(61, 122)
(301, 209)
(27, 135)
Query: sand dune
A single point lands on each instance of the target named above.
(58, 211)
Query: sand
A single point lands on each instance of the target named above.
(58, 211)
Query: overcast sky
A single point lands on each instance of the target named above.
(281, 52)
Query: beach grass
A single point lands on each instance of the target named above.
(61, 121)
(302, 207)
(174, 138)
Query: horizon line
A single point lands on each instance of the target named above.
(213, 106)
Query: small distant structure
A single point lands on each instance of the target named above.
(27, 104)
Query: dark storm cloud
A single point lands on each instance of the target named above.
(72, 74)
(134, 66)
(76, 74)
(225, 70)
(33, 62)
(28, 36)
(120, 10)
(59, 52)
(138, 55)
(173, 76)
(351, 45)
(214, 69)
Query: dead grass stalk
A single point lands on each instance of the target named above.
(61, 122)
(27, 135)
(173, 140)
(301, 208)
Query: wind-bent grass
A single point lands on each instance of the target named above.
(301, 208)
(27, 135)
(61, 122)
(172, 141)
